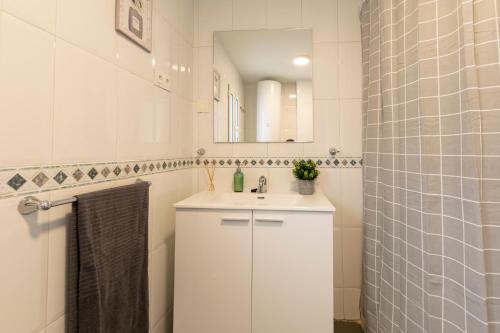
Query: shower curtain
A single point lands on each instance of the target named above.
(431, 148)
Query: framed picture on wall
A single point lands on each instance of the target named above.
(134, 20)
(216, 86)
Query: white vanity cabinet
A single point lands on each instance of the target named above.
(292, 284)
(253, 270)
(213, 271)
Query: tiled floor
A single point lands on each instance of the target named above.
(347, 327)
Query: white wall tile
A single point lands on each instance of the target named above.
(175, 57)
(351, 303)
(183, 183)
(249, 15)
(136, 119)
(338, 258)
(134, 59)
(196, 25)
(281, 180)
(99, 37)
(214, 15)
(349, 24)
(26, 93)
(329, 183)
(184, 137)
(284, 14)
(23, 277)
(185, 70)
(338, 300)
(350, 70)
(162, 281)
(180, 16)
(57, 327)
(165, 124)
(186, 25)
(326, 72)
(205, 75)
(352, 197)
(163, 193)
(286, 149)
(60, 218)
(169, 10)
(165, 324)
(321, 16)
(85, 107)
(351, 127)
(250, 149)
(41, 13)
(352, 240)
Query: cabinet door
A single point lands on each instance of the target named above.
(213, 271)
(292, 272)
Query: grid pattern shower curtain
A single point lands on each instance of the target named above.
(431, 147)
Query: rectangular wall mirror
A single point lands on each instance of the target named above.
(263, 86)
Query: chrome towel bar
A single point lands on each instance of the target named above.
(31, 204)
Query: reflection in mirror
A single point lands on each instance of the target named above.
(263, 86)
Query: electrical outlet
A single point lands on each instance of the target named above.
(162, 80)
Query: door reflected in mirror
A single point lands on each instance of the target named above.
(264, 86)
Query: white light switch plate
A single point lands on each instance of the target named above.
(203, 107)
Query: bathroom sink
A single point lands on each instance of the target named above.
(267, 201)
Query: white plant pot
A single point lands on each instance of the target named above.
(306, 187)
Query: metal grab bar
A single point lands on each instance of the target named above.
(32, 204)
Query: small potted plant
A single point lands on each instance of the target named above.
(306, 173)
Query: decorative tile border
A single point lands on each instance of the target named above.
(279, 162)
(28, 180)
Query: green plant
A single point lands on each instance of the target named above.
(305, 170)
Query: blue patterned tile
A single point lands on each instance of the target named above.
(16, 182)
(60, 177)
(40, 179)
(78, 175)
(92, 173)
(105, 172)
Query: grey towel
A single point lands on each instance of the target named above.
(108, 282)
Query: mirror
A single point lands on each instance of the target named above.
(263, 86)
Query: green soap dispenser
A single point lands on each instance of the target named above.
(238, 180)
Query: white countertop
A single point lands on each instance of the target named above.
(257, 201)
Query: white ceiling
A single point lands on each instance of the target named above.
(268, 54)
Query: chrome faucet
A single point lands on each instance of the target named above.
(262, 185)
